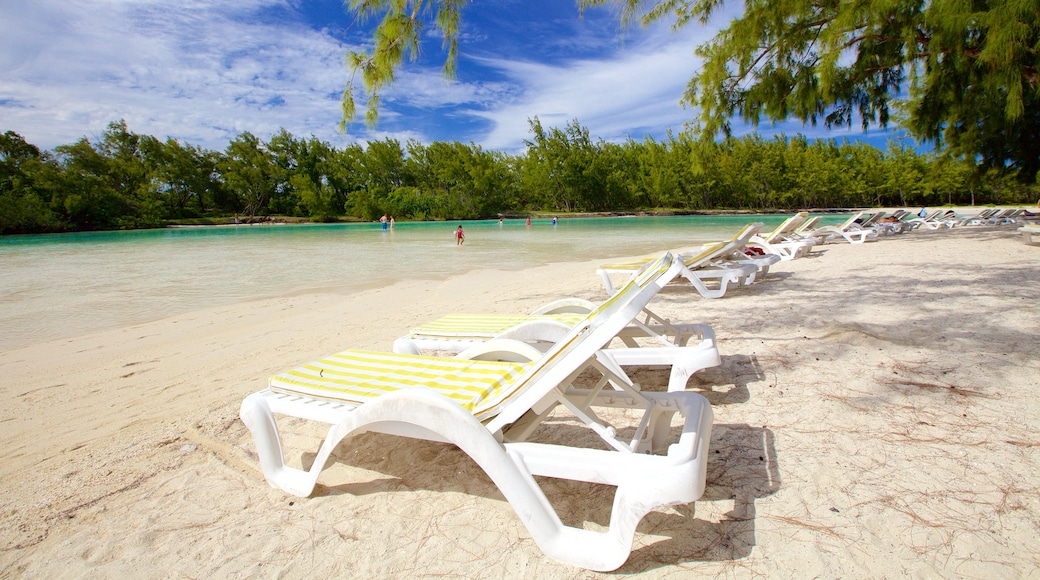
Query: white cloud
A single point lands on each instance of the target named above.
(635, 90)
(198, 71)
(205, 71)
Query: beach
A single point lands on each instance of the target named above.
(876, 415)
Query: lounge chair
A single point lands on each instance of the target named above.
(712, 263)
(871, 220)
(489, 408)
(978, 219)
(807, 225)
(849, 231)
(1010, 217)
(649, 340)
(784, 241)
(1030, 233)
(898, 223)
(933, 221)
(740, 255)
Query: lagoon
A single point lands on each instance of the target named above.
(64, 285)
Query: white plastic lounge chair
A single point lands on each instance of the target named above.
(932, 221)
(807, 225)
(700, 268)
(901, 225)
(995, 217)
(978, 219)
(783, 241)
(849, 231)
(740, 255)
(649, 340)
(1030, 233)
(489, 409)
(786, 228)
(1008, 217)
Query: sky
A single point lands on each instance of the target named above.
(203, 72)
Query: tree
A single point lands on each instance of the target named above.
(24, 201)
(185, 177)
(249, 170)
(970, 66)
(566, 171)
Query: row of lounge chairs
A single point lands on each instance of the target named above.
(510, 372)
(799, 233)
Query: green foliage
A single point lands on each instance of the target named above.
(398, 34)
(249, 169)
(569, 172)
(971, 67)
(127, 180)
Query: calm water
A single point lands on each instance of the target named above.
(57, 286)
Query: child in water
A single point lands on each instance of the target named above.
(460, 236)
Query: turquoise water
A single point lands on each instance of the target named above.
(57, 286)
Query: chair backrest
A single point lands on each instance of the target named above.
(872, 219)
(721, 249)
(848, 223)
(808, 225)
(747, 232)
(571, 353)
(788, 226)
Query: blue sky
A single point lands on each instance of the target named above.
(204, 71)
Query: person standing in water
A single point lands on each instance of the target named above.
(382, 220)
(460, 236)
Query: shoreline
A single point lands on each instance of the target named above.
(275, 220)
(876, 415)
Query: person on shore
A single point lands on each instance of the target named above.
(382, 220)
(923, 212)
(460, 236)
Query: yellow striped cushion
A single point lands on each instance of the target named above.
(706, 250)
(689, 260)
(628, 266)
(357, 376)
(483, 326)
(652, 270)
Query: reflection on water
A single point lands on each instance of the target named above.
(56, 286)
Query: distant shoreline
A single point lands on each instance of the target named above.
(271, 220)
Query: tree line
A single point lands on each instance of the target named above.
(126, 180)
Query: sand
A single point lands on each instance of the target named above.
(876, 415)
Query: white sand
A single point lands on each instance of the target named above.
(876, 416)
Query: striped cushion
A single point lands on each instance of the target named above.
(357, 376)
(632, 266)
(690, 260)
(484, 326)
